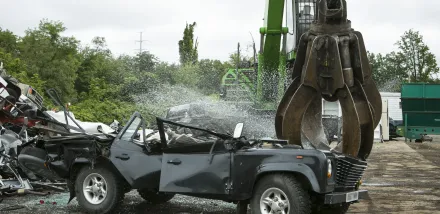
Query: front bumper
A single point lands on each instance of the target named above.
(343, 197)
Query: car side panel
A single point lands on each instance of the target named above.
(199, 174)
(138, 168)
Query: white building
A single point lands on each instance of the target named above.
(390, 109)
(394, 110)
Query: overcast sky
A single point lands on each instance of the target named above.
(220, 23)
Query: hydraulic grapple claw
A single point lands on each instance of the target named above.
(331, 63)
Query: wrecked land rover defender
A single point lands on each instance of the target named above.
(267, 176)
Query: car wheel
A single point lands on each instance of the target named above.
(333, 209)
(155, 197)
(98, 190)
(280, 193)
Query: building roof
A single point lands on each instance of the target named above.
(390, 94)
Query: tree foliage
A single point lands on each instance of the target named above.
(246, 58)
(187, 46)
(418, 62)
(52, 56)
(99, 85)
(211, 72)
(8, 41)
(413, 62)
(387, 71)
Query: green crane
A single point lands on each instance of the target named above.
(263, 84)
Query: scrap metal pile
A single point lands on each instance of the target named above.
(24, 120)
(24, 123)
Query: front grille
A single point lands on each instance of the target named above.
(349, 171)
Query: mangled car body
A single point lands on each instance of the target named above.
(269, 175)
(23, 120)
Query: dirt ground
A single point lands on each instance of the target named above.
(401, 178)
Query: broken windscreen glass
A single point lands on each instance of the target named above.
(133, 129)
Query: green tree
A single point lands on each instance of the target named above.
(211, 74)
(96, 61)
(187, 46)
(13, 65)
(8, 41)
(100, 103)
(188, 75)
(138, 73)
(246, 59)
(388, 73)
(165, 72)
(52, 56)
(418, 62)
(145, 62)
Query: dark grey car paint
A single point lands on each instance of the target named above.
(204, 170)
(250, 164)
(196, 173)
(138, 169)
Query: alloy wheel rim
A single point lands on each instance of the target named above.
(274, 200)
(95, 188)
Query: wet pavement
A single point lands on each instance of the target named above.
(401, 178)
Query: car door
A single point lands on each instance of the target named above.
(196, 173)
(140, 169)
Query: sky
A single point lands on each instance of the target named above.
(221, 24)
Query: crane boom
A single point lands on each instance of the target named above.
(272, 32)
(269, 57)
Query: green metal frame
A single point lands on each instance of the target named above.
(271, 73)
(234, 78)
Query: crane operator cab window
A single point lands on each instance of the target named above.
(306, 15)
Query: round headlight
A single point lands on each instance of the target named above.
(329, 168)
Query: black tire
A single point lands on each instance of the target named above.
(333, 209)
(242, 207)
(154, 197)
(32, 158)
(34, 151)
(298, 197)
(114, 187)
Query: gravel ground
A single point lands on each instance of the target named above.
(401, 178)
(132, 204)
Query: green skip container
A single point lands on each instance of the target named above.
(420, 104)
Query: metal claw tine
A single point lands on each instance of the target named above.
(331, 64)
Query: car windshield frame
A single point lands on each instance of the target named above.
(161, 128)
(129, 127)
